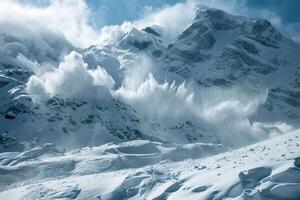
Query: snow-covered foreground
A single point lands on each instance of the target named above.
(150, 170)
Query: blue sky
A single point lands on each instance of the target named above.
(288, 10)
(118, 11)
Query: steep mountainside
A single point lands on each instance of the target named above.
(217, 50)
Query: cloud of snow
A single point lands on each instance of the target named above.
(155, 100)
(34, 66)
(174, 19)
(70, 17)
(274, 129)
(142, 90)
(72, 79)
(216, 110)
(225, 112)
(21, 34)
(111, 34)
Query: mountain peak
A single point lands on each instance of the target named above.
(262, 29)
(218, 19)
(211, 26)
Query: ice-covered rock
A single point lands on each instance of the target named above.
(251, 178)
(297, 162)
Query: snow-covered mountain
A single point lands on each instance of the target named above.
(225, 82)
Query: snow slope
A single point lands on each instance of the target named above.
(148, 170)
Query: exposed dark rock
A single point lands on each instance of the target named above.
(151, 30)
(297, 162)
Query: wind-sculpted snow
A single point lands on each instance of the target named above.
(151, 170)
(49, 161)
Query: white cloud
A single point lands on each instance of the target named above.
(72, 79)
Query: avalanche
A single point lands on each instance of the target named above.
(208, 109)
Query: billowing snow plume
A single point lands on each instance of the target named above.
(72, 79)
(225, 112)
(169, 18)
(68, 17)
(153, 99)
(158, 101)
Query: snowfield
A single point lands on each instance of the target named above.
(149, 170)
